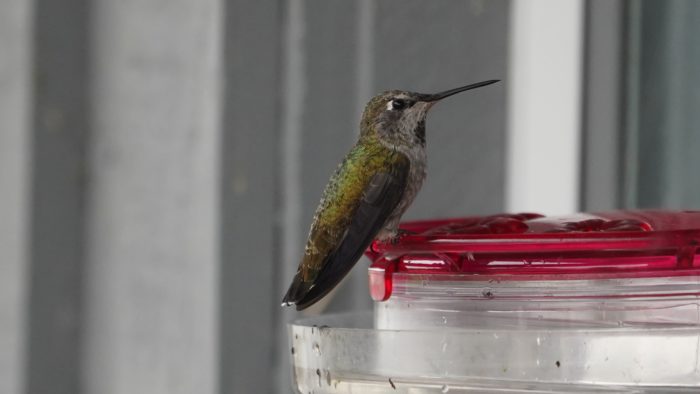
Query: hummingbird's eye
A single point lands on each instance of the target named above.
(399, 104)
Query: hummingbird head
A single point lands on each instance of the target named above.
(398, 117)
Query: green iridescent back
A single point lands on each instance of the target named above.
(343, 195)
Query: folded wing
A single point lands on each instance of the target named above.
(379, 198)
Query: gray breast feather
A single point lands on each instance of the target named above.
(416, 177)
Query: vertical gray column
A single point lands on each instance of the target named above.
(151, 299)
(60, 130)
(603, 88)
(15, 96)
(249, 293)
(663, 111)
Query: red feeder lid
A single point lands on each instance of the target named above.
(528, 246)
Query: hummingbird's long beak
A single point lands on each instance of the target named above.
(431, 98)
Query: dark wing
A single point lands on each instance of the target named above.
(380, 197)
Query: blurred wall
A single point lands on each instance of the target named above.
(663, 117)
(15, 167)
(160, 162)
(152, 217)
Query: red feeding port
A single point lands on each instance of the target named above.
(528, 246)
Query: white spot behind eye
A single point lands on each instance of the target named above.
(389, 105)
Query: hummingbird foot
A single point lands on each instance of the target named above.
(400, 233)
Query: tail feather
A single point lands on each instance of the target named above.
(335, 268)
(304, 294)
(297, 291)
(324, 283)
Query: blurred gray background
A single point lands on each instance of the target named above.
(160, 162)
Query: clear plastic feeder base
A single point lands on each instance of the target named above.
(346, 354)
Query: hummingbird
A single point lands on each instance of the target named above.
(371, 188)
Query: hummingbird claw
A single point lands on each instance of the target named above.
(400, 233)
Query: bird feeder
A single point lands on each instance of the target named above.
(602, 302)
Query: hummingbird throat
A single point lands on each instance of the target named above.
(410, 128)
